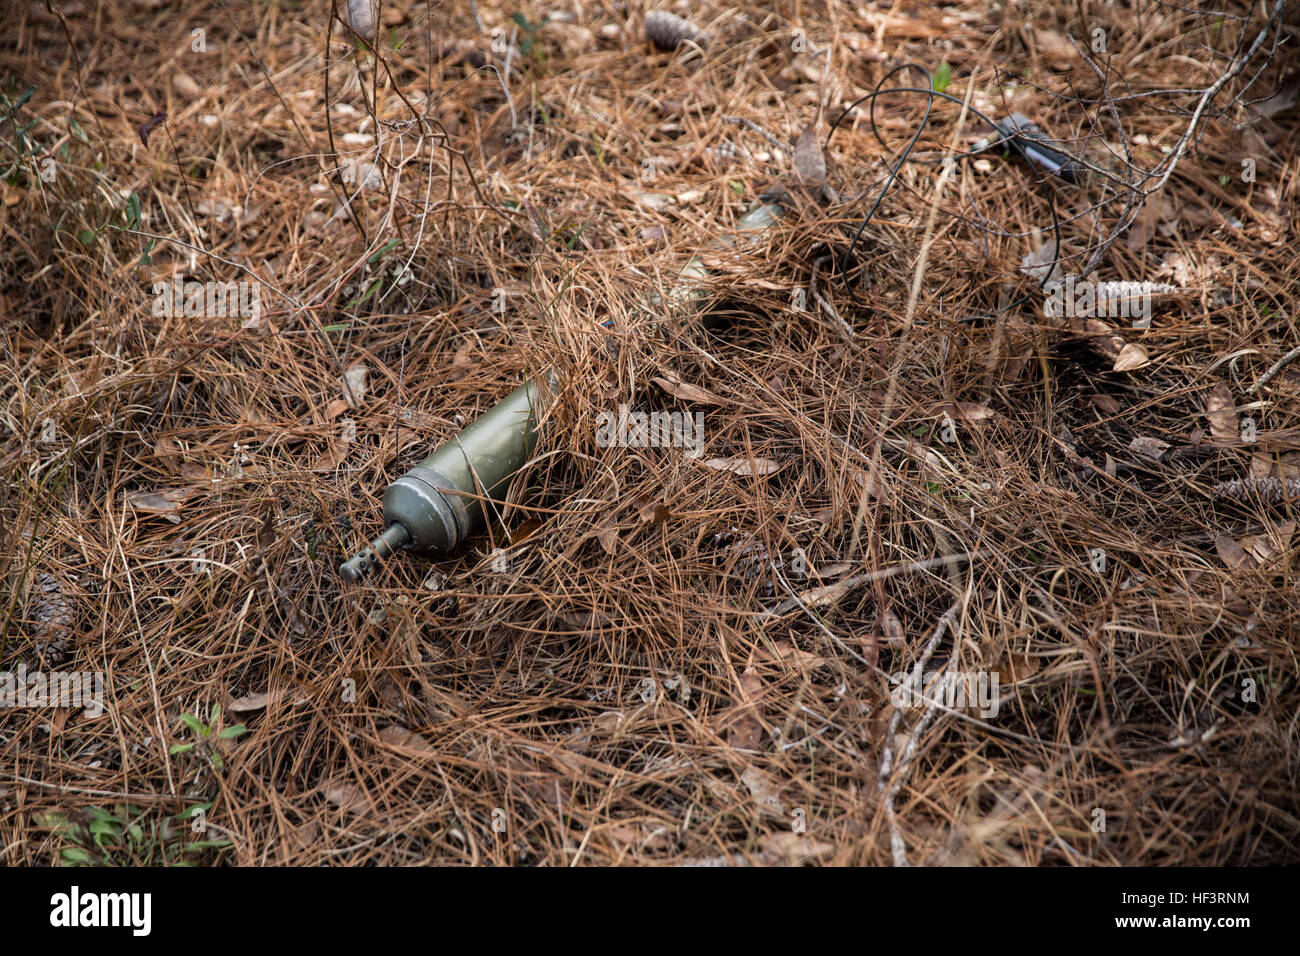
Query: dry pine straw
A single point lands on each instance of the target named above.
(180, 490)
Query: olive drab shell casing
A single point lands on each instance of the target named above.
(451, 494)
(446, 498)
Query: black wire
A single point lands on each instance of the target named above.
(931, 94)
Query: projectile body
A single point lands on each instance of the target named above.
(449, 496)
(446, 498)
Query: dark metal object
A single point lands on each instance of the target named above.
(1027, 138)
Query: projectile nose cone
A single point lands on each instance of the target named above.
(358, 566)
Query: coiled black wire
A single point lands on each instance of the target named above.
(931, 95)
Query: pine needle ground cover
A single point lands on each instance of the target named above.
(955, 577)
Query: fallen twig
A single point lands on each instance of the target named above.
(890, 790)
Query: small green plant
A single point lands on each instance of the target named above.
(942, 77)
(312, 536)
(528, 45)
(29, 163)
(26, 149)
(576, 230)
(207, 735)
(126, 835)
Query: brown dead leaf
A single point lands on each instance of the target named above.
(585, 621)
(782, 848)
(260, 700)
(641, 838)
(193, 471)
(1056, 49)
(608, 723)
(675, 387)
(608, 538)
(1131, 356)
(1285, 98)
(266, 535)
(788, 653)
(168, 451)
(1017, 350)
(809, 162)
(306, 835)
(354, 383)
(766, 791)
(1106, 404)
(1288, 465)
(1148, 447)
(395, 735)
(964, 411)
(335, 456)
(865, 481)
(1261, 466)
(161, 502)
(652, 200)
(744, 729)
(891, 629)
(345, 795)
(1018, 667)
(186, 86)
(462, 357)
(1157, 210)
(654, 512)
(1220, 410)
(59, 720)
(541, 784)
(1263, 547)
(249, 703)
(820, 596)
(1044, 259)
(1102, 336)
(745, 467)
(1231, 553)
(792, 849)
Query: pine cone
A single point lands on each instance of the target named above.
(668, 31)
(50, 614)
(752, 560)
(362, 18)
(1267, 491)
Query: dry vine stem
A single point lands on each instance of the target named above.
(1171, 161)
